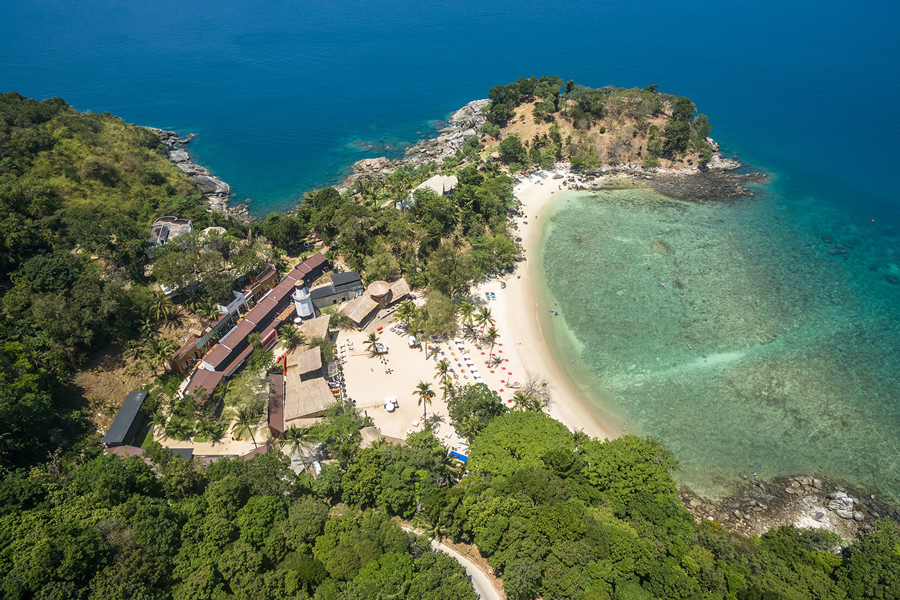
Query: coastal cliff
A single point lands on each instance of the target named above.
(215, 192)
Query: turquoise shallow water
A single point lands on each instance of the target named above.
(762, 346)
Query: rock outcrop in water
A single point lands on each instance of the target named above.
(463, 123)
(798, 500)
(215, 191)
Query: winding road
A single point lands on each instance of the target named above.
(481, 582)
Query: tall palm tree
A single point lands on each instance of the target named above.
(443, 369)
(484, 318)
(297, 440)
(424, 393)
(466, 312)
(158, 351)
(491, 338)
(407, 312)
(245, 421)
(372, 343)
(291, 336)
(447, 388)
(179, 428)
(161, 307)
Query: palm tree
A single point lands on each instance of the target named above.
(491, 338)
(147, 328)
(298, 441)
(179, 428)
(522, 401)
(447, 388)
(466, 312)
(209, 429)
(133, 349)
(245, 421)
(407, 313)
(484, 318)
(161, 307)
(372, 343)
(291, 336)
(469, 427)
(158, 351)
(443, 369)
(423, 391)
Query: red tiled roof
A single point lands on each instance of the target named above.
(238, 334)
(217, 356)
(315, 260)
(254, 453)
(208, 380)
(276, 403)
(187, 348)
(238, 360)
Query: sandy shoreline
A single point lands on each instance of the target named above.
(521, 351)
(517, 311)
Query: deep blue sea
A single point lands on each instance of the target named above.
(284, 95)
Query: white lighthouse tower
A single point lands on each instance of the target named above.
(303, 303)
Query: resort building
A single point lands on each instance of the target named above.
(168, 228)
(360, 311)
(128, 422)
(378, 296)
(271, 306)
(442, 185)
(343, 287)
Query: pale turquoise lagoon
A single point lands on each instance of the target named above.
(761, 330)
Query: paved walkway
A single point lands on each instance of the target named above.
(481, 582)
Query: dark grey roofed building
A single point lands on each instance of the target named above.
(185, 453)
(128, 421)
(344, 287)
(324, 291)
(346, 281)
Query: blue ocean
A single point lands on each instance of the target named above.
(284, 95)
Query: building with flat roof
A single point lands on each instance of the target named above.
(128, 422)
(168, 228)
(343, 287)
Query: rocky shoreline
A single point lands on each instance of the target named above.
(215, 191)
(798, 500)
(693, 184)
(463, 123)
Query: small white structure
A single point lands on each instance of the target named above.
(303, 303)
(442, 185)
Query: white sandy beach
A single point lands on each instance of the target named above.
(521, 350)
(517, 308)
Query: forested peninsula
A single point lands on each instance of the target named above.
(552, 513)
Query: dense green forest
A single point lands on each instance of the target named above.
(78, 193)
(595, 126)
(112, 529)
(558, 515)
